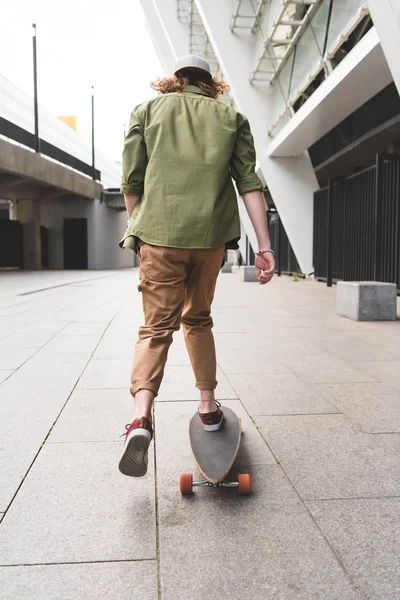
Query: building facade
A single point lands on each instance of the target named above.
(319, 81)
(58, 209)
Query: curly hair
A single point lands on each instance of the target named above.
(214, 86)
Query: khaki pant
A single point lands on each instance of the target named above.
(178, 287)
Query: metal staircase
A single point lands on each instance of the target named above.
(282, 37)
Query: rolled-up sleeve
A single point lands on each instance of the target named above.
(134, 157)
(243, 160)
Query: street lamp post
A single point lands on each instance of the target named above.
(93, 152)
(35, 90)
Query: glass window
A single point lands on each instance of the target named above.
(343, 13)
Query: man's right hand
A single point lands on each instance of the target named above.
(265, 267)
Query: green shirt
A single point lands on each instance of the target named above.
(180, 155)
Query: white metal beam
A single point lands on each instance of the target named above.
(386, 17)
(178, 32)
(159, 35)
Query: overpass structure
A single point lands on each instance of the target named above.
(58, 210)
(311, 75)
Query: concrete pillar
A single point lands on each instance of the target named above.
(28, 214)
(291, 182)
(386, 17)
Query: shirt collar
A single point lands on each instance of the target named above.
(193, 89)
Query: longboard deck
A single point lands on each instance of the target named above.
(214, 452)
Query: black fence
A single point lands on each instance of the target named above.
(357, 225)
(11, 244)
(285, 258)
(20, 135)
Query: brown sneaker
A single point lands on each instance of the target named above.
(212, 421)
(134, 457)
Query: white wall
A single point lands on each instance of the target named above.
(386, 17)
(106, 226)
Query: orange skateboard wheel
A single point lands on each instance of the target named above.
(186, 483)
(244, 484)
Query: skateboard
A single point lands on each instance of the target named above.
(214, 453)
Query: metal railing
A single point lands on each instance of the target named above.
(357, 225)
(26, 138)
(285, 258)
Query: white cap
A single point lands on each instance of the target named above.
(192, 62)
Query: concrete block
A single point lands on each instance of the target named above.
(248, 273)
(227, 268)
(367, 300)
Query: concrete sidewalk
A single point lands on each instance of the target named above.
(319, 398)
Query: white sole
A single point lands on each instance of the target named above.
(134, 458)
(213, 427)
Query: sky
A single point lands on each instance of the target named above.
(82, 43)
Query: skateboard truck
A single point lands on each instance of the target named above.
(243, 484)
(205, 483)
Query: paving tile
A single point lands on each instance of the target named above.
(85, 328)
(111, 349)
(4, 373)
(325, 457)
(179, 384)
(279, 394)
(238, 341)
(374, 407)
(9, 325)
(18, 447)
(30, 401)
(254, 361)
(13, 358)
(386, 371)
(108, 374)
(380, 335)
(122, 580)
(178, 356)
(26, 340)
(366, 535)
(393, 350)
(325, 368)
(355, 351)
(94, 416)
(42, 326)
(76, 506)
(70, 344)
(51, 380)
(320, 334)
(290, 346)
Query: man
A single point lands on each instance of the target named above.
(181, 152)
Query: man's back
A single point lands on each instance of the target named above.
(181, 152)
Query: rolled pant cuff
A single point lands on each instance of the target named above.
(207, 385)
(144, 385)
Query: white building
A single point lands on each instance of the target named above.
(318, 80)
